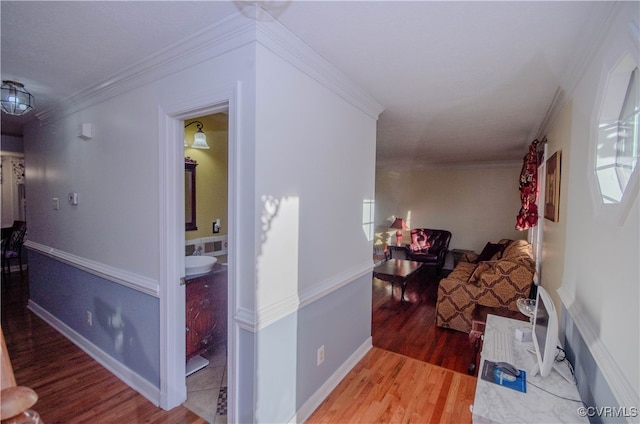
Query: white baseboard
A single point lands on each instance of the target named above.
(323, 392)
(128, 376)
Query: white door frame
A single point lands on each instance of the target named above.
(173, 390)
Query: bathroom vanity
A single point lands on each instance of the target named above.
(206, 310)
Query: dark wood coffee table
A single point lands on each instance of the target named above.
(397, 271)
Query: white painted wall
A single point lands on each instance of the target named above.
(116, 173)
(120, 226)
(600, 282)
(477, 204)
(554, 233)
(317, 152)
(315, 162)
(303, 139)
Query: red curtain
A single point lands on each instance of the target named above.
(528, 216)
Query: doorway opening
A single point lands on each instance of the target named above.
(206, 155)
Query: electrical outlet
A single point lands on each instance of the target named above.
(89, 319)
(320, 355)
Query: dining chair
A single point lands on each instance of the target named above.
(12, 247)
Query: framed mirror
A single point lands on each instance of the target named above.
(190, 194)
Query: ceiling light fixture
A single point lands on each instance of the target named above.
(16, 100)
(199, 139)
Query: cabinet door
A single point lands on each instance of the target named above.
(220, 306)
(201, 317)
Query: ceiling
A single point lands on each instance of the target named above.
(461, 82)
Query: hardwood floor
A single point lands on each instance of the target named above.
(385, 387)
(71, 386)
(409, 328)
(415, 373)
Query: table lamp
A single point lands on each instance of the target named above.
(399, 225)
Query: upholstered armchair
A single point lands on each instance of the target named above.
(429, 246)
(498, 282)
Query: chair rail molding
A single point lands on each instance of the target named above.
(268, 314)
(613, 374)
(128, 279)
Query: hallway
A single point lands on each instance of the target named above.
(71, 386)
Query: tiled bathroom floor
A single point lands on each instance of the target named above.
(205, 387)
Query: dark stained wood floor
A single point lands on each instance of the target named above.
(410, 329)
(71, 386)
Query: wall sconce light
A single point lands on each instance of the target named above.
(16, 100)
(199, 139)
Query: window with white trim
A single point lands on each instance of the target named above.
(618, 147)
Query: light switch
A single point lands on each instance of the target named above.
(73, 198)
(55, 203)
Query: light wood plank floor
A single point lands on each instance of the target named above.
(386, 387)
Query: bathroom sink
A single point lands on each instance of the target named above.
(198, 264)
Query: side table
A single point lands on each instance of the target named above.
(458, 254)
(478, 325)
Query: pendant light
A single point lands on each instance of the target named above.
(199, 139)
(16, 100)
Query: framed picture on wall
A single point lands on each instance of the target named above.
(552, 188)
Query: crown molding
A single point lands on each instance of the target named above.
(397, 166)
(222, 37)
(595, 35)
(282, 42)
(229, 34)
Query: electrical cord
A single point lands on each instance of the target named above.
(558, 396)
(561, 356)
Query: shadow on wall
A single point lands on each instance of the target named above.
(125, 339)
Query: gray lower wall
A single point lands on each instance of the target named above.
(278, 373)
(125, 321)
(594, 390)
(125, 326)
(286, 372)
